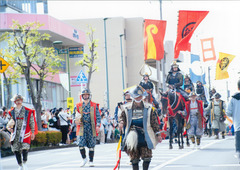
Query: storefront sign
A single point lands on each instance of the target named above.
(76, 52)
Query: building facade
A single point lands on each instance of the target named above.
(129, 32)
(54, 93)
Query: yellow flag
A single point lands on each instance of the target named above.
(222, 65)
(118, 154)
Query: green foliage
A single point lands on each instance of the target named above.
(88, 59)
(27, 56)
(46, 138)
(40, 139)
(53, 137)
(25, 50)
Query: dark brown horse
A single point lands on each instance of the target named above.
(172, 104)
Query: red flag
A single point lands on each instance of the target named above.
(154, 32)
(187, 23)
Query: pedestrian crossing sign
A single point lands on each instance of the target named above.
(81, 78)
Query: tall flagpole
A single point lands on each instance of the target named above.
(209, 79)
(162, 61)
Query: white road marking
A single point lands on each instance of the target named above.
(178, 166)
(226, 165)
(184, 155)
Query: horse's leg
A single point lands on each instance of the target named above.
(179, 127)
(188, 144)
(170, 133)
(182, 131)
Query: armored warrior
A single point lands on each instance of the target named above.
(88, 121)
(202, 93)
(217, 113)
(23, 128)
(141, 129)
(118, 109)
(188, 85)
(148, 86)
(175, 80)
(195, 118)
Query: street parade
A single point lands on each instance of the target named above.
(72, 97)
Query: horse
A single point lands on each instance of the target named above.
(172, 103)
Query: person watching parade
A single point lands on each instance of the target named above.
(175, 80)
(23, 128)
(194, 118)
(141, 129)
(88, 122)
(217, 110)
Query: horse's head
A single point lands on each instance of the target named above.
(164, 101)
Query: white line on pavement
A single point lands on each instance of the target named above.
(184, 155)
(226, 165)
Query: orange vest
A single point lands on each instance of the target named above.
(94, 106)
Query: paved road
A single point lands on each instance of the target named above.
(213, 155)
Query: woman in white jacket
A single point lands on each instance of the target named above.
(64, 117)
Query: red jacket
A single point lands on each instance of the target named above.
(200, 109)
(27, 134)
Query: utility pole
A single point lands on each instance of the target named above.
(106, 60)
(162, 62)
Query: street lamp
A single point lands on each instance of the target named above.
(105, 37)
(69, 86)
(122, 60)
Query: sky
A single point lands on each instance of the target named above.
(222, 23)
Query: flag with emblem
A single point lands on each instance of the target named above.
(154, 32)
(222, 65)
(188, 21)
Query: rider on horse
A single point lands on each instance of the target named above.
(148, 86)
(175, 80)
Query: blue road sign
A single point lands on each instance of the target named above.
(81, 78)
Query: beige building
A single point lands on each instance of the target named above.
(133, 57)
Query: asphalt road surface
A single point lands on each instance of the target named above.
(213, 155)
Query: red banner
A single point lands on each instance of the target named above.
(188, 21)
(154, 32)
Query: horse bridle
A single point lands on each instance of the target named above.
(170, 106)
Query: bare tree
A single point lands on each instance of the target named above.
(88, 60)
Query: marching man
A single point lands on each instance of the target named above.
(88, 122)
(141, 129)
(22, 127)
(195, 118)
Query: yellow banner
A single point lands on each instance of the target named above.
(222, 65)
(70, 103)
